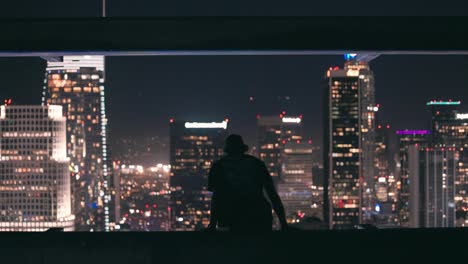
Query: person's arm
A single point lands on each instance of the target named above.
(274, 198)
(213, 214)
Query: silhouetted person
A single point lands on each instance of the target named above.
(238, 182)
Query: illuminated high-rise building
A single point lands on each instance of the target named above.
(349, 144)
(450, 129)
(295, 186)
(382, 160)
(409, 143)
(194, 146)
(34, 178)
(385, 188)
(444, 123)
(432, 173)
(273, 133)
(77, 84)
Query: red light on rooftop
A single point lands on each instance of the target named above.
(284, 141)
(171, 120)
(7, 101)
(388, 126)
(336, 68)
(284, 112)
(310, 141)
(146, 206)
(227, 119)
(298, 141)
(300, 116)
(281, 116)
(379, 126)
(155, 205)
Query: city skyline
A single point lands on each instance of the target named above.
(353, 193)
(153, 97)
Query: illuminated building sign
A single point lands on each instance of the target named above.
(296, 120)
(413, 132)
(222, 125)
(462, 116)
(443, 103)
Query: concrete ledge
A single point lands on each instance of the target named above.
(356, 246)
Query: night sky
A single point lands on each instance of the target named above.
(144, 92)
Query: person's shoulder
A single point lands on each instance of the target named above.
(252, 158)
(219, 161)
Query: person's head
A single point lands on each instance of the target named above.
(235, 145)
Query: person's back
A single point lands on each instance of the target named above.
(238, 181)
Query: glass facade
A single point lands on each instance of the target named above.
(407, 139)
(432, 186)
(273, 133)
(348, 156)
(450, 130)
(385, 186)
(77, 84)
(295, 186)
(194, 147)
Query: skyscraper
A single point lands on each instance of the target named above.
(385, 181)
(450, 130)
(273, 133)
(34, 177)
(432, 188)
(444, 121)
(77, 84)
(295, 186)
(194, 146)
(409, 143)
(348, 144)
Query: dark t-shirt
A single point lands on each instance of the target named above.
(238, 183)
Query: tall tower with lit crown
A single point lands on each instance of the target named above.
(77, 84)
(349, 124)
